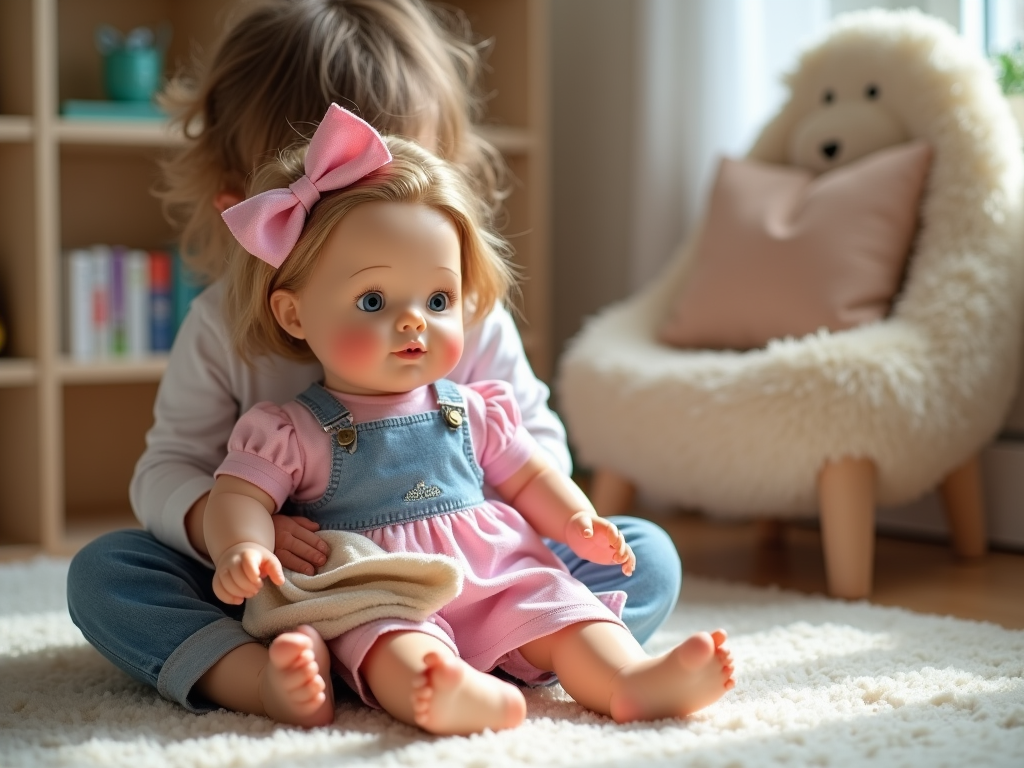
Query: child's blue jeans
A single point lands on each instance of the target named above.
(152, 612)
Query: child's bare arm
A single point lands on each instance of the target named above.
(239, 533)
(556, 508)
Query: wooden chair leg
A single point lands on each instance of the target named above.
(964, 500)
(846, 493)
(611, 493)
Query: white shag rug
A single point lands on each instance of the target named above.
(820, 683)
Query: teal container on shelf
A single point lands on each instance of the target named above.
(133, 64)
(133, 74)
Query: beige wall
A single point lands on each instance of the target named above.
(592, 96)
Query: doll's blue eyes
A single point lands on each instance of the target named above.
(371, 301)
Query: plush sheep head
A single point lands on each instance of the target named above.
(868, 85)
(850, 120)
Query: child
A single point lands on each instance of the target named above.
(370, 264)
(144, 598)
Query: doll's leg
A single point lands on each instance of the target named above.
(603, 668)
(652, 590)
(418, 680)
(290, 682)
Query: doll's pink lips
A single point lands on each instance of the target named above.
(412, 352)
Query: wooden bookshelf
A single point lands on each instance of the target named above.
(70, 432)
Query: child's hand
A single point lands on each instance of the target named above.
(599, 541)
(240, 572)
(297, 546)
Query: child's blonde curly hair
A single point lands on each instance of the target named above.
(413, 176)
(406, 67)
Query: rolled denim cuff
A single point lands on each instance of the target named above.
(194, 657)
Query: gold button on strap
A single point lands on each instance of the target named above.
(452, 415)
(346, 436)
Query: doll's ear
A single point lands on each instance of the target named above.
(285, 306)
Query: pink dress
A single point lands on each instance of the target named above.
(515, 588)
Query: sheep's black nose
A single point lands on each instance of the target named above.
(830, 149)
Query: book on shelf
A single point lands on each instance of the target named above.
(161, 301)
(79, 338)
(99, 295)
(123, 302)
(137, 303)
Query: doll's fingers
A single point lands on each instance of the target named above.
(622, 550)
(630, 565)
(272, 568)
(221, 590)
(611, 532)
(251, 565)
(240, 584)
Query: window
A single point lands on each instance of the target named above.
(1003, 24)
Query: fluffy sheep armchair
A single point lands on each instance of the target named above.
(834, 423)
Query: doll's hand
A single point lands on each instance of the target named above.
(599, 541)
(296, 544)
(240, 572)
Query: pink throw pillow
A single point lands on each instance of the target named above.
(784, 252)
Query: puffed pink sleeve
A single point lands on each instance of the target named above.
(500, 441)
(264, 449)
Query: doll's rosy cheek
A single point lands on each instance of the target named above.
(451, 350)
(355, 346)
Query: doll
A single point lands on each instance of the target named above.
(370, 255)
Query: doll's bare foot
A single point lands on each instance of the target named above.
(296, 683)
(689, 677)
(451, 698)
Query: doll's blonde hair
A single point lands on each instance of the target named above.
(413, 176)
(403, 66)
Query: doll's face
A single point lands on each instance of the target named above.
(383, 308)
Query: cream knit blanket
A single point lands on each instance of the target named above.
(360, 582)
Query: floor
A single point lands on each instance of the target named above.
(921, 576)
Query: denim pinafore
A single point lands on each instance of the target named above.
(396, 480)
(393, 470)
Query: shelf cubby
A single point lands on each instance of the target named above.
(71, 432)
(16, 65)
(20, 524)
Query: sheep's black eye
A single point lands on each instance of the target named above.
(828, 97)
(872, 91)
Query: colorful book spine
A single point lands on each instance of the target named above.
(118, 301)
(101, 260)
(122, 302)
(161, 302)
(80, 339)
(137, 301)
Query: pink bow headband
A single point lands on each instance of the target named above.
(343, 150)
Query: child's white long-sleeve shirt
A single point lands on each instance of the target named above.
(206, 387)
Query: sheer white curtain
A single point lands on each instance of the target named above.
(646, 95)
(709, 76)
